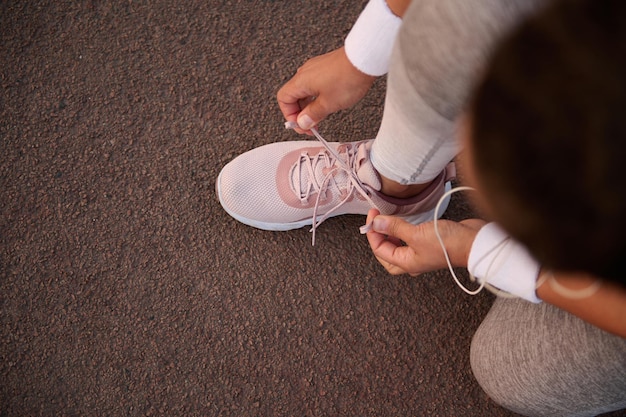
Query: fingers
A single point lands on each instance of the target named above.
(394, 227)
(290, 99)
(385, 247)
(302, 105)
(374, 238)
(313, 113)
(321, 86)
(402, 247)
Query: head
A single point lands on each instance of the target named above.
(547, 136)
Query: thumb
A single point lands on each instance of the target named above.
(312, 114)
(394, 227)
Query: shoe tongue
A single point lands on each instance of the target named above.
(365, 169)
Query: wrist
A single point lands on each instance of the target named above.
(459, 246)
(355, 73)
(456, 239)
(465, 248)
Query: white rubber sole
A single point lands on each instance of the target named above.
(282, 227)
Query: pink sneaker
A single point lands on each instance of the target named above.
(288, 185)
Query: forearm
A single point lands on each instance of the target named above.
(606, 308)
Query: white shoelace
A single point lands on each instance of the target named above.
(339, 164)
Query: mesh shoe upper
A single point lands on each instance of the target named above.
(285, 185)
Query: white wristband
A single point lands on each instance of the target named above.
(504, 263)
(369, 43)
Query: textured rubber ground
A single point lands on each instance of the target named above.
(126, 290)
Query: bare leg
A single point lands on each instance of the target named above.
(395, 189)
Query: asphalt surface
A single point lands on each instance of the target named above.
(125, 289)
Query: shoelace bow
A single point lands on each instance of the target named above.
(339, 164)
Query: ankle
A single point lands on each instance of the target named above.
(395, 189)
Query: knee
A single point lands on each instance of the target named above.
(539, 360)
(506, 379)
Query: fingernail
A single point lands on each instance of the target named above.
(305, 122)
(380, 224)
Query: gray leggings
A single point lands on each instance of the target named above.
(440, 50)
(538, 360)
(532, 359)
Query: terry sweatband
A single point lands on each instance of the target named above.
(369, 43)
(504, 263)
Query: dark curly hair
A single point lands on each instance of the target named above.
(548, 129)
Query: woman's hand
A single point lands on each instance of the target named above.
(405, 248)
(323, 85)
